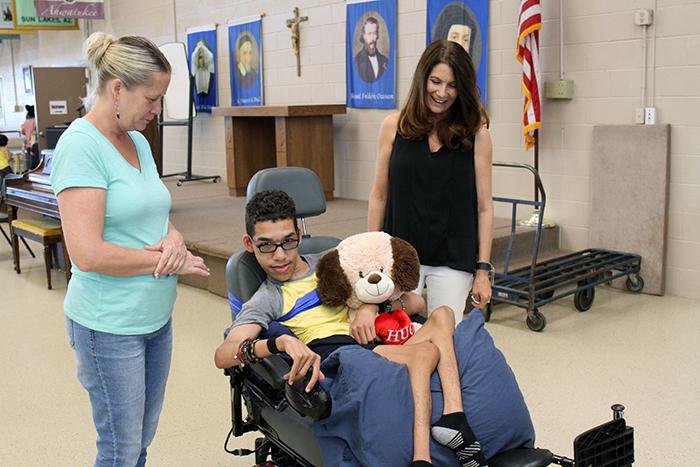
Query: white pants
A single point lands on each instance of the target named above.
(445, 286)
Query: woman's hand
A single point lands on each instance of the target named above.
(173, 253)
(193, 265)
(481, 289)
(362, 328)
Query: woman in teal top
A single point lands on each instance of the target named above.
(126, 254)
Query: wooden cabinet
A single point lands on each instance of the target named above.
(278, 136)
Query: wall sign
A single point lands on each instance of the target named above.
(24, 17)
(83, 9)
(58, 107)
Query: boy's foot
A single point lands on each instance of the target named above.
(453, 431)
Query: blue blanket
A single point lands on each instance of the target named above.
(371, 423)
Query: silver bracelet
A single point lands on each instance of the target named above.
(403, 304)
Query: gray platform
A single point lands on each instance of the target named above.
(212, 223)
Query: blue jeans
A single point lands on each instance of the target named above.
(125, 377)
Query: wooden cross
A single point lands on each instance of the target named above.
(293, 24)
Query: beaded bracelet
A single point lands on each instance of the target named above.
(248, 351)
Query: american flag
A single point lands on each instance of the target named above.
(529, 25)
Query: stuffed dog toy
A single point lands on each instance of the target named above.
(371, 267)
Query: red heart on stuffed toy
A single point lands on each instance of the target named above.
(393, 328)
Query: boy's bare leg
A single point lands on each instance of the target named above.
(439, 329)
(421, 360)
(452, 429)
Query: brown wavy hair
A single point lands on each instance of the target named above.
(466, 115)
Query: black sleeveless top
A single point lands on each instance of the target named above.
(432, 202)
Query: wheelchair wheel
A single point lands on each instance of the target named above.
(536, 321)
(262, 450)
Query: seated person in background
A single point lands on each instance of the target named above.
(4, 159)
(273, 237)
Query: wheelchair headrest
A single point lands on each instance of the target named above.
(300, 183)
(243, 277)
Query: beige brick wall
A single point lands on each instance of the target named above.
(603, 55)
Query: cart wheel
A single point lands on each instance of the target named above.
(583, 299)
(634, 283)
(179, 183)
(487, 312)
(536, 321)
(216, 180)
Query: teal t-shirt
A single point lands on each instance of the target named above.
(137, 207)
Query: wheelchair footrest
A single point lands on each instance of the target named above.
(522, 457)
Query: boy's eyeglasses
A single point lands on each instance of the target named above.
(268, 247)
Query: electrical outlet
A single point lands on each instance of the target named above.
(639, 115)
(643, 17)
(650, 115)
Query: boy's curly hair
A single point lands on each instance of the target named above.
(270, 205)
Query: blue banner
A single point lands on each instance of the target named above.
(371, 54)
(201, 52)
(246, 59)
(465, 22)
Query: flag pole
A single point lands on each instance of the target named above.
(537, 164)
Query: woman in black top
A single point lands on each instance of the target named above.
(432, 185)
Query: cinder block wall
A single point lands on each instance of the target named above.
(602, 54)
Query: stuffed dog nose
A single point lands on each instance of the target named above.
(374, 278)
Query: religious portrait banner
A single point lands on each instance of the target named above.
(466, 23)
(246, 59)
(201, 53)
(370, 64)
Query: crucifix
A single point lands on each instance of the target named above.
(293, 24)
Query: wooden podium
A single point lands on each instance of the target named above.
(278, 136)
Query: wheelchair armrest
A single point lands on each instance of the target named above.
(272, 370)
(315, 404)
(522, 457)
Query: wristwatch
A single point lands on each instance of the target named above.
(485, 265)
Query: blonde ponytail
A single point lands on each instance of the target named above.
(132, 59)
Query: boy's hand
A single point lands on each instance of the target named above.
(303, 358)
(362, 328)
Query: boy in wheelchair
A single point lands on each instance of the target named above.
(288, 297)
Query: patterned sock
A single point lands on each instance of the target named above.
(453, 431)
(420, 464)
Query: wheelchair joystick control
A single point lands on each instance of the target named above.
(618, 411)
(315, 404)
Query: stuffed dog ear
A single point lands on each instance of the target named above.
(406, 270)
(333, 287)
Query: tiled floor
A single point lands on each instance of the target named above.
(639, 350)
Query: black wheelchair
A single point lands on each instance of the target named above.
(285, 416)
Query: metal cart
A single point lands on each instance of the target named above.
(576, 274)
